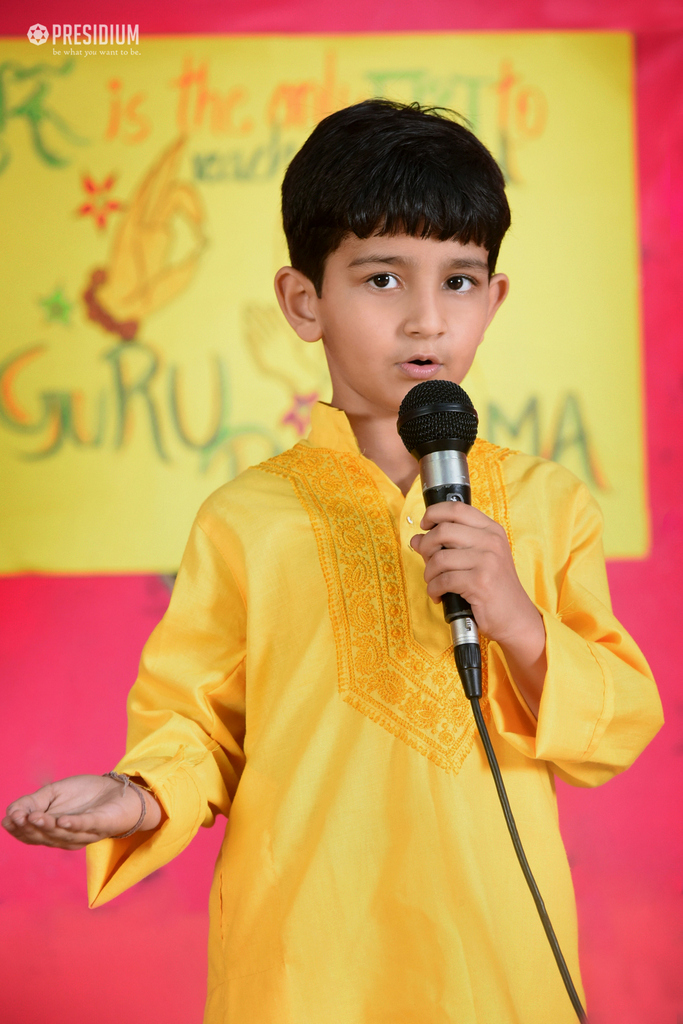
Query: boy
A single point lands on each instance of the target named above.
(302, 680)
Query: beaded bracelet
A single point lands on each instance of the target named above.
(126, 780)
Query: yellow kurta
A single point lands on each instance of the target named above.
(302, 682)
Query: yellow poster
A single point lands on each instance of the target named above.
(143, 358)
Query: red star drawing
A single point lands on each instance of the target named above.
(299, 415)
(99, 207)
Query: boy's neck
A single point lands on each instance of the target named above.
(378, 440)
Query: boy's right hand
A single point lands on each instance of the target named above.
(79, 810)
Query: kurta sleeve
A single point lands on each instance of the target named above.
(600, 706)
(186, 715)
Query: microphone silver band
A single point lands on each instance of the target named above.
(464, 631)
(439, 469)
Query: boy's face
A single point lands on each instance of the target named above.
(394, 310)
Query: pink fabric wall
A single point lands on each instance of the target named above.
(69, 646)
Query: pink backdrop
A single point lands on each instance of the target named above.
(69, 646)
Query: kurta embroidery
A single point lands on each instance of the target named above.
(382, 671)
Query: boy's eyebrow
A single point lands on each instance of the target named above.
(459, 263)
(469, 263)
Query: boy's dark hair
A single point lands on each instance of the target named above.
(384, 168)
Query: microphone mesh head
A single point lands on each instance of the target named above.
(422, 418)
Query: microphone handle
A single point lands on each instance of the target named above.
(457, 611)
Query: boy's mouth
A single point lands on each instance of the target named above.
(421, 367)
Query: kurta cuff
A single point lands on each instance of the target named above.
(566, 730)
(511, 714)
(569, 730)
(116, 864)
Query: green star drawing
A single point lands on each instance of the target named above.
(57, 307)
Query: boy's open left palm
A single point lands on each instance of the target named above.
(77, 811)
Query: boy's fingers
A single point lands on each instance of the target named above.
(450, 560)
(38, 801)
(11, 824)
(456, 581)
(454, 512)
(41, 819)
(45, 830)
(27, 831)
(21, 818)
(14, 816)
(445, 535)
(74, 835)
(86, 824)
(55, 838)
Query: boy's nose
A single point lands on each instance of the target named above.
(424, 319)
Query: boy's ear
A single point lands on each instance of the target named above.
(499, 286)
(298, 301)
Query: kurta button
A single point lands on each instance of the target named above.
(409, 520)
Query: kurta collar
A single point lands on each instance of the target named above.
(330, 428)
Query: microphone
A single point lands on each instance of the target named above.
(438, 425)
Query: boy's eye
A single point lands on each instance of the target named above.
(459, 283)
(384, 281)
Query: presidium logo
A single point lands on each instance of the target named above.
(85, 35)
(38, 35)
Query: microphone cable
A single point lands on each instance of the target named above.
(524, 863)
